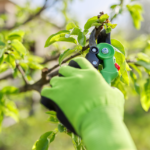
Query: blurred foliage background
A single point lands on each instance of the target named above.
(23, 119)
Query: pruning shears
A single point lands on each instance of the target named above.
(102, 53)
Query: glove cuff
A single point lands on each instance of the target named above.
(103, 128)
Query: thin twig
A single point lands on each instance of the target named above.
(44, 80)
(22, 73)
(6, 77)
(121, 6)
(50, 58)
(31, 17)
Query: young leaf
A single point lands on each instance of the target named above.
(96, 24)
(11, 61)
(90, 22)
(118, 84)
(12, 111)
(136, 14)
(118, 45)
(2, 44)
(53, 119)
(10, 90)
(136, 69)
(75, 31)
(143, 57)
(61, 128)
(146, 65)
(108, 30)
(81, 39)
(85, 31)
(113, 6)
(103, 18)
(70, 26)
(35, 65)
(145, 97)
(2, 48)
(3, 67)
(53, 113)
(16, 35)
(125, 77)
(67, 53)
(120, 58)
(1, 59)
(112, 26)
(19, 47)
(134, 79)
(60, 36)
(43, 142)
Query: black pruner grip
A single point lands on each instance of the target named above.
(92, 56)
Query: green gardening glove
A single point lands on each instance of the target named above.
(93, 108)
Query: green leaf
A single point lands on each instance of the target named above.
(128, 67)
(2, 44)
(70, 26)
(24, 65)
(113, 6)
(2, 50)
(112, 26)
(81, 39)
(134, 79)
(108, 30)
(12, 111)
(103, 18)
(34, 58)
(43, 142)
(1, 59)
(53, 113)
(125, 77)
(53, 119)
(136, 14)
(60, 36)
(118, 45)
(67, 53)
(96, 24)
(143, 57)
(136, 69)
(11, 61)
(19, 47)
(3, 67)
(85, 31)
(16, 35)
(90, 22)
(34, 65)
(145, 97)
(75, 31)
(10, 90)
(120, 58)
(61, 128)
(118, 84)
(146, 65)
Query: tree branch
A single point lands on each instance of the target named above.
(50, 58)
(22, 73)
(44, 80)
(6, 77)
(31, 17)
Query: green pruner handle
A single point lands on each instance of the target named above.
(110, 68)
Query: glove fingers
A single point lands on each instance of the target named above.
(83, 63)
(49, 92)
(68, 71)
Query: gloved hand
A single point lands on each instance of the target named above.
(92, 107)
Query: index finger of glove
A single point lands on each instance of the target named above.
(83, 63)
(67, 71)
